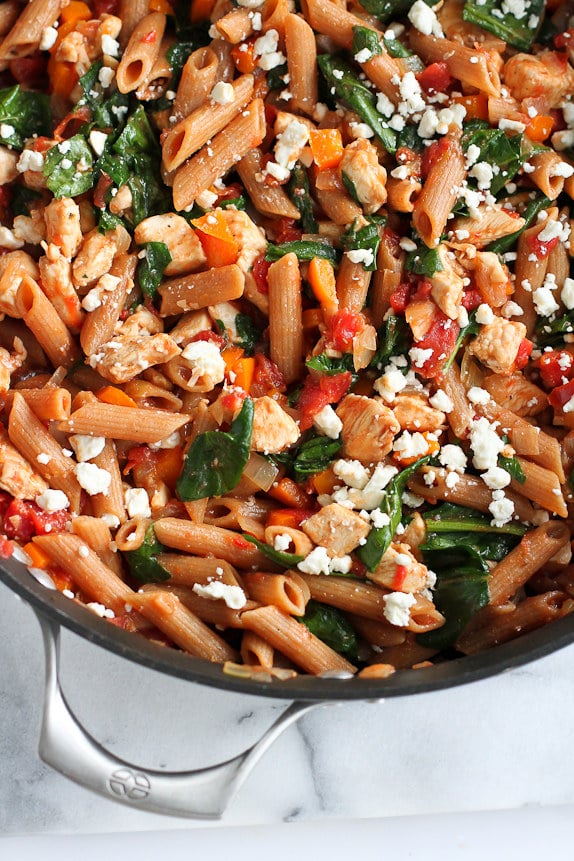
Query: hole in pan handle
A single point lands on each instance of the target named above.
(68, 748)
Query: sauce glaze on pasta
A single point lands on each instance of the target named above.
(286, 363)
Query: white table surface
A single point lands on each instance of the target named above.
(451, 771)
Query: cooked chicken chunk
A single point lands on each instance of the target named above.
(184, 246)
(56, 280)
(360, 166)
(414, 413)
(94, 258)
(497, 343)
(447, 285)
(13, 266)
(369, 428)
(546, 76)
(16, 475)
(62, 217)
(336, 528)
(249, 237)
(124, 357)
(400, 571)
(273, 429)
(10, 362)
(516, 393)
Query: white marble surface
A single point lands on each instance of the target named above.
(500, 743)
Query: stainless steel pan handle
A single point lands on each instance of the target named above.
(67, 747)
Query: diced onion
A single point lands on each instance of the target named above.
(260, 471)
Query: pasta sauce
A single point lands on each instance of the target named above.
(287, 320)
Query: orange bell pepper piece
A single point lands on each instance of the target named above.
(75, 11)
(433, 447)
(38, 557)
(321, 278)
(216, 238)
(201, 10)
(243, 56)
(244, 371)
(327, 147)
(540, 127)
(288, 493)
(324, 482)
(476, 106)
(161, 6)
(112, 395)
(168, 465)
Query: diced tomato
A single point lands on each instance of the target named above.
(69, 126)
(432, 154)
(542, 249)
(441, 339)
(471, 299)
(564, 40)
(149, 38)
(561, 395)
(31, 70)
(400, 577)
(556, 367)
(318, 391)
(208, 335)
(6, 548)
(266, 377)
(287, 230)
(259, 270)
(401, 297)
(523, 354)
(102, 186)
(240, 542)
(232, 400)
(23, 519)
(435, 78)
(342, 328)
(230, 192)
(137, 456)
(423, 291)
(105, 7)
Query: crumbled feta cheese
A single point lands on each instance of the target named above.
(453, 458)
(484, 314)
(363, 56)
(52, 500)
(485, 443)
(290, 143)
(171, 441)
(110, 46)
(496, 478)
(544, 301)
(48, 38)
(328, 422)
(397, 609)
(277, 171)
(483, 174)
(93, 479)
(87, 447)
(567, 293)
(361, 255)
(501, 509)
(561, 169)
(43, 458)
(98, 141)
(282, 542)
(105, 77)
(441, 401)
(352, 472)
(379, 518)
(384, 105)
(233, 596)
(340, 565)
(418, 356)
(424, 19)
(405, 243)
(206, 360)
(361, 130)
(477, 395)
(137, 502)
(30, 160)
(316, 562)
(223, 93)
(391, 382)
(411, 93)
(6, 130)
(511, 125)
(100, 610)
(411, 445)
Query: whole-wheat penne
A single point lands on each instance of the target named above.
(285, 312)
(26, 33)
(472, 67)
(119, 422)
(256, 651)
(49, 404)
(267, 199)
(97, 535)
(203, 540)
(434, 203)
(301, 62)
(277, 589)
(141, 52)
(201, 289)
(198, 78)
(42, 319)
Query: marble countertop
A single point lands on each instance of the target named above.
(493, 745)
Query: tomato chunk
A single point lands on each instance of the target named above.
(320, 390)
(556, 368)
(435, 78)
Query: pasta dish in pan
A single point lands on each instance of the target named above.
(287, 339)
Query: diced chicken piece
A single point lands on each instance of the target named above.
(122, 201)
(516, 393)
(13, 266)
(497, 343)
(369, 428)
(447, 285)
(360, 166)
(8, 162)
(190, 325)
(141, 323)
(74, 49)
(226, 313)
(94, 258)
(30, 229)
(400, 571)
(284, 119)
(63, 228)
(273, 429)
(488, 224)
(420, 315)
(546, 76)
(123, 358)
(415, 534)
(10, 362)
(490, 275)
(364, 347)
(337, 529)
(250, 238)
(184, 246)
(16, 475)
(414, 413)
(56, 280)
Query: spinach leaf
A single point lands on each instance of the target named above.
(471, 328)
(301, 197)
(23, 115)
(152, 266)
(314, 455)
(137, 136)
(512, 466)
(276, 77)
(396, 48)
(69, 172)
(22, 198)
(149, 195)
(235, 202)
(350, 89)
(143, 563)
(502, 153)
(216, 459)
(249, 334)
(107, 111)
(364, 38)
(325, 364)
(177, 57)
(459, 594)
(449, 517)
(455, 548)
(286, 560)
(304, 249)
(367, 237)
(505, 243)
(552, 334)
(393, 338)
(109, 221)
(386, 9)
(379, 538)
(491, 16)
(331, 626)
(409, 138)
(423, 261)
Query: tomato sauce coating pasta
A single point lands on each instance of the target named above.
(286, 362)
